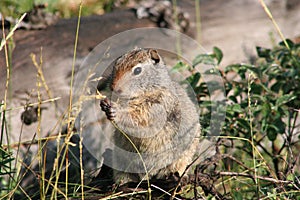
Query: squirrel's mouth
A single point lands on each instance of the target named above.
(123, 97)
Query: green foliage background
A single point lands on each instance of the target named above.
(262, 120)
(64, 8)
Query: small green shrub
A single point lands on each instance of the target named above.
(261, 124)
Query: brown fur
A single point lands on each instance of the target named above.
(127, 62)
(161, 121)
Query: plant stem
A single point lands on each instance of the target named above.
(250, 115)
(198, 20)
(69, 132)
(268, 12)
(139, 154)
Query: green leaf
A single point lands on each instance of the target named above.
(258, 97)
(265, 88)
(236, 108)
(6, 161)
(253, 69)
(263, 52)
(205, 59)
(180, 66)
(233, 98)
(218, 54)
(264, 125)
(194, 79)
(277, 86)
(244, 123)
(271, 133)
(285, 99)
(232, 67)
(237, 195)
(256, 88)
(280, 126)
(291, 177)
(288, 41)
(266, 109)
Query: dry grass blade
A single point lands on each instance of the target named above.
(11, 33)
(69, 132)
(268, 12)
(139, 154)
(164, 191)
(33, 104)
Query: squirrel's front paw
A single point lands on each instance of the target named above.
(108, 109)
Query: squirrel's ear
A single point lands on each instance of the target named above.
(154, 55)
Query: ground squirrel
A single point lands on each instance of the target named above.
(155, 112)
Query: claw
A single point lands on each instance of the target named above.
(108, 109)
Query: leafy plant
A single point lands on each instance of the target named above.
(6, 160)
(261, 124)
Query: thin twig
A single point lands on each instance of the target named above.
(164, 191)
(33, 104)
(183, 174)
(139, 154)
(273, 180)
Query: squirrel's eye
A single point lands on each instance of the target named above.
(137, 70)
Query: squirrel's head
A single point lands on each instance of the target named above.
(139, 71)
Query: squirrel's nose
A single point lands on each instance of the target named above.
(117, 90)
